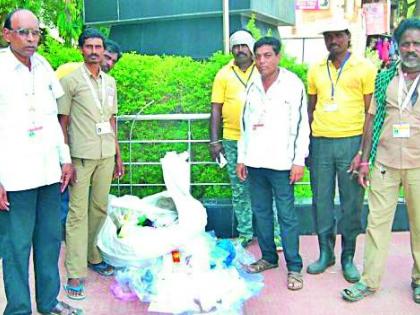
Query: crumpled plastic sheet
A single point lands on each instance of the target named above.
(216, 283)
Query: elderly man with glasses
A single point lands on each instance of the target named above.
(34, 160)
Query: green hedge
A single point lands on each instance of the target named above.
(176, 85)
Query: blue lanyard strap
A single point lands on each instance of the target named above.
(339, 73)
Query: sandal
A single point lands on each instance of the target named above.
(102, 268)
(260, 266)
(64, 309)
(294, 280)
(75, 292)
(356, 292)
(416, 292)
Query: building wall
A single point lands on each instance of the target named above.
(304, 40)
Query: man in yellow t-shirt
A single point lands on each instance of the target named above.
(228, 96)
(340, 89)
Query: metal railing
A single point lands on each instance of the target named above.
(189, 140)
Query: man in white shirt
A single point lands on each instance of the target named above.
(271, 152)
(33, 161)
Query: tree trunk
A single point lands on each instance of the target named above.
(417, 9)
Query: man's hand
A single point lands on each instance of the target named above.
(215, 150)
(241, 171)
(68, 175)
(364, 176)
(4, 203)
(119, 168)
(355, 164)
(296, 173)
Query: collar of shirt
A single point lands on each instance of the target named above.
(14, 64)
(258, 81)
(352, 61)
(101, 73)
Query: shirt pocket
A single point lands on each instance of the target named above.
(45, 99)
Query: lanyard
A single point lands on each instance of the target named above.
(402, 104)
(239, 78)
(94, 93)
(340, 70)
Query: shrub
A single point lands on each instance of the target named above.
(176, 85)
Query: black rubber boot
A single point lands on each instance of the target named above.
(326, 254)
(350, 272)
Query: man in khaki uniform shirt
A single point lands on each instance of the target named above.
(392, 139)
(87, 117)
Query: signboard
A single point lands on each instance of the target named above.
(376, 19)
(312, 4)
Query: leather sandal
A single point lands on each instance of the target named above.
(102, 268)
(64, 309)
(294, 280)
(260, 266)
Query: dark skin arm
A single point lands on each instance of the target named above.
(215, 130)
(68, 172)
(119, 166)
(4, 202)
(354, 166)
(367, 146)
(312, 99)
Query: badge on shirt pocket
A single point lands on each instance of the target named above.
(330, 107)
(110, 96)
(401, 130)
(103, 128)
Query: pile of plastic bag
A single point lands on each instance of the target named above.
(165, 256)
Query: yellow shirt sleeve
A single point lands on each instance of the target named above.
(219, 88)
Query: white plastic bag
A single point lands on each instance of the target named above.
(140, 245)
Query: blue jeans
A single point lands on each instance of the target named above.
(265, 184)
(33, 221)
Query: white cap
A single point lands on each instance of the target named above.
(242, 38)
(335, 26)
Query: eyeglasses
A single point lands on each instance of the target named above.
(24, 32)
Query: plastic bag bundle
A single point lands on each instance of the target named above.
(180, 283)
(124, 242)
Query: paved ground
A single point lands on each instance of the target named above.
(319, 296)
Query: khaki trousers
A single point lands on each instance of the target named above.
(87, 212)
(383, 195)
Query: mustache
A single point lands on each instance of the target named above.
(93, 55)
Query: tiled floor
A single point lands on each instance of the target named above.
(321, 294)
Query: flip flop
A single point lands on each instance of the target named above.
(102, 268)
(79, 289)
(356, 292)
(416, 292)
